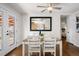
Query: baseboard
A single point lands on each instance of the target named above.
(76, 45)
(73, 44)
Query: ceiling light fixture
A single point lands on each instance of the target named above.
(49, 8)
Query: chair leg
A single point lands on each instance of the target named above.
(54, 53)
(31, 53)
(39, 53)
(43, 53)
(28, 53)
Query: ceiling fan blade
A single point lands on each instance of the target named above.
(57, 8)
(43, 10)
(42, 6)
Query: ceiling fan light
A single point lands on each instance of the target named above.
(49, 8)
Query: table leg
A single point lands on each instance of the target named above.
(23, 49)
(60, 48)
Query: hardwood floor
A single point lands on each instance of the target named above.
(68, 50)
(16, 52)
(71, 50)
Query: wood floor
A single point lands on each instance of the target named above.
(68, 50)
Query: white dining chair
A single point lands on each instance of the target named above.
(34, 45)
(49, 45)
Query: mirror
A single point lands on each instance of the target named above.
(40, 23)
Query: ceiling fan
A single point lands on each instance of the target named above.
(49, 7)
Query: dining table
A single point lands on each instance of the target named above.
(25, 42)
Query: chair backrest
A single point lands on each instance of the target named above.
(34, 42)
(49, 42)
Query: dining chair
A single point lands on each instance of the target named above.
(49, 45)
(34, 45)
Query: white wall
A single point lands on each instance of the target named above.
(55, 25)
(73, 36)
(18, 30)
(71, 28)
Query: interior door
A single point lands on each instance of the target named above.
(7, 31)
(68, 30)
(10, 30)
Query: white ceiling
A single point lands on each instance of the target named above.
(32, 7)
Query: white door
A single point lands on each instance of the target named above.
(1, 31)
(10, 33)
(7, 32)
(68, 29)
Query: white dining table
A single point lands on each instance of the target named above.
(25, 42)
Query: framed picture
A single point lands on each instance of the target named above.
(77, 19)
(77, 24)
(40, 23)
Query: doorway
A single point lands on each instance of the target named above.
(7, 32)
(63, 20)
